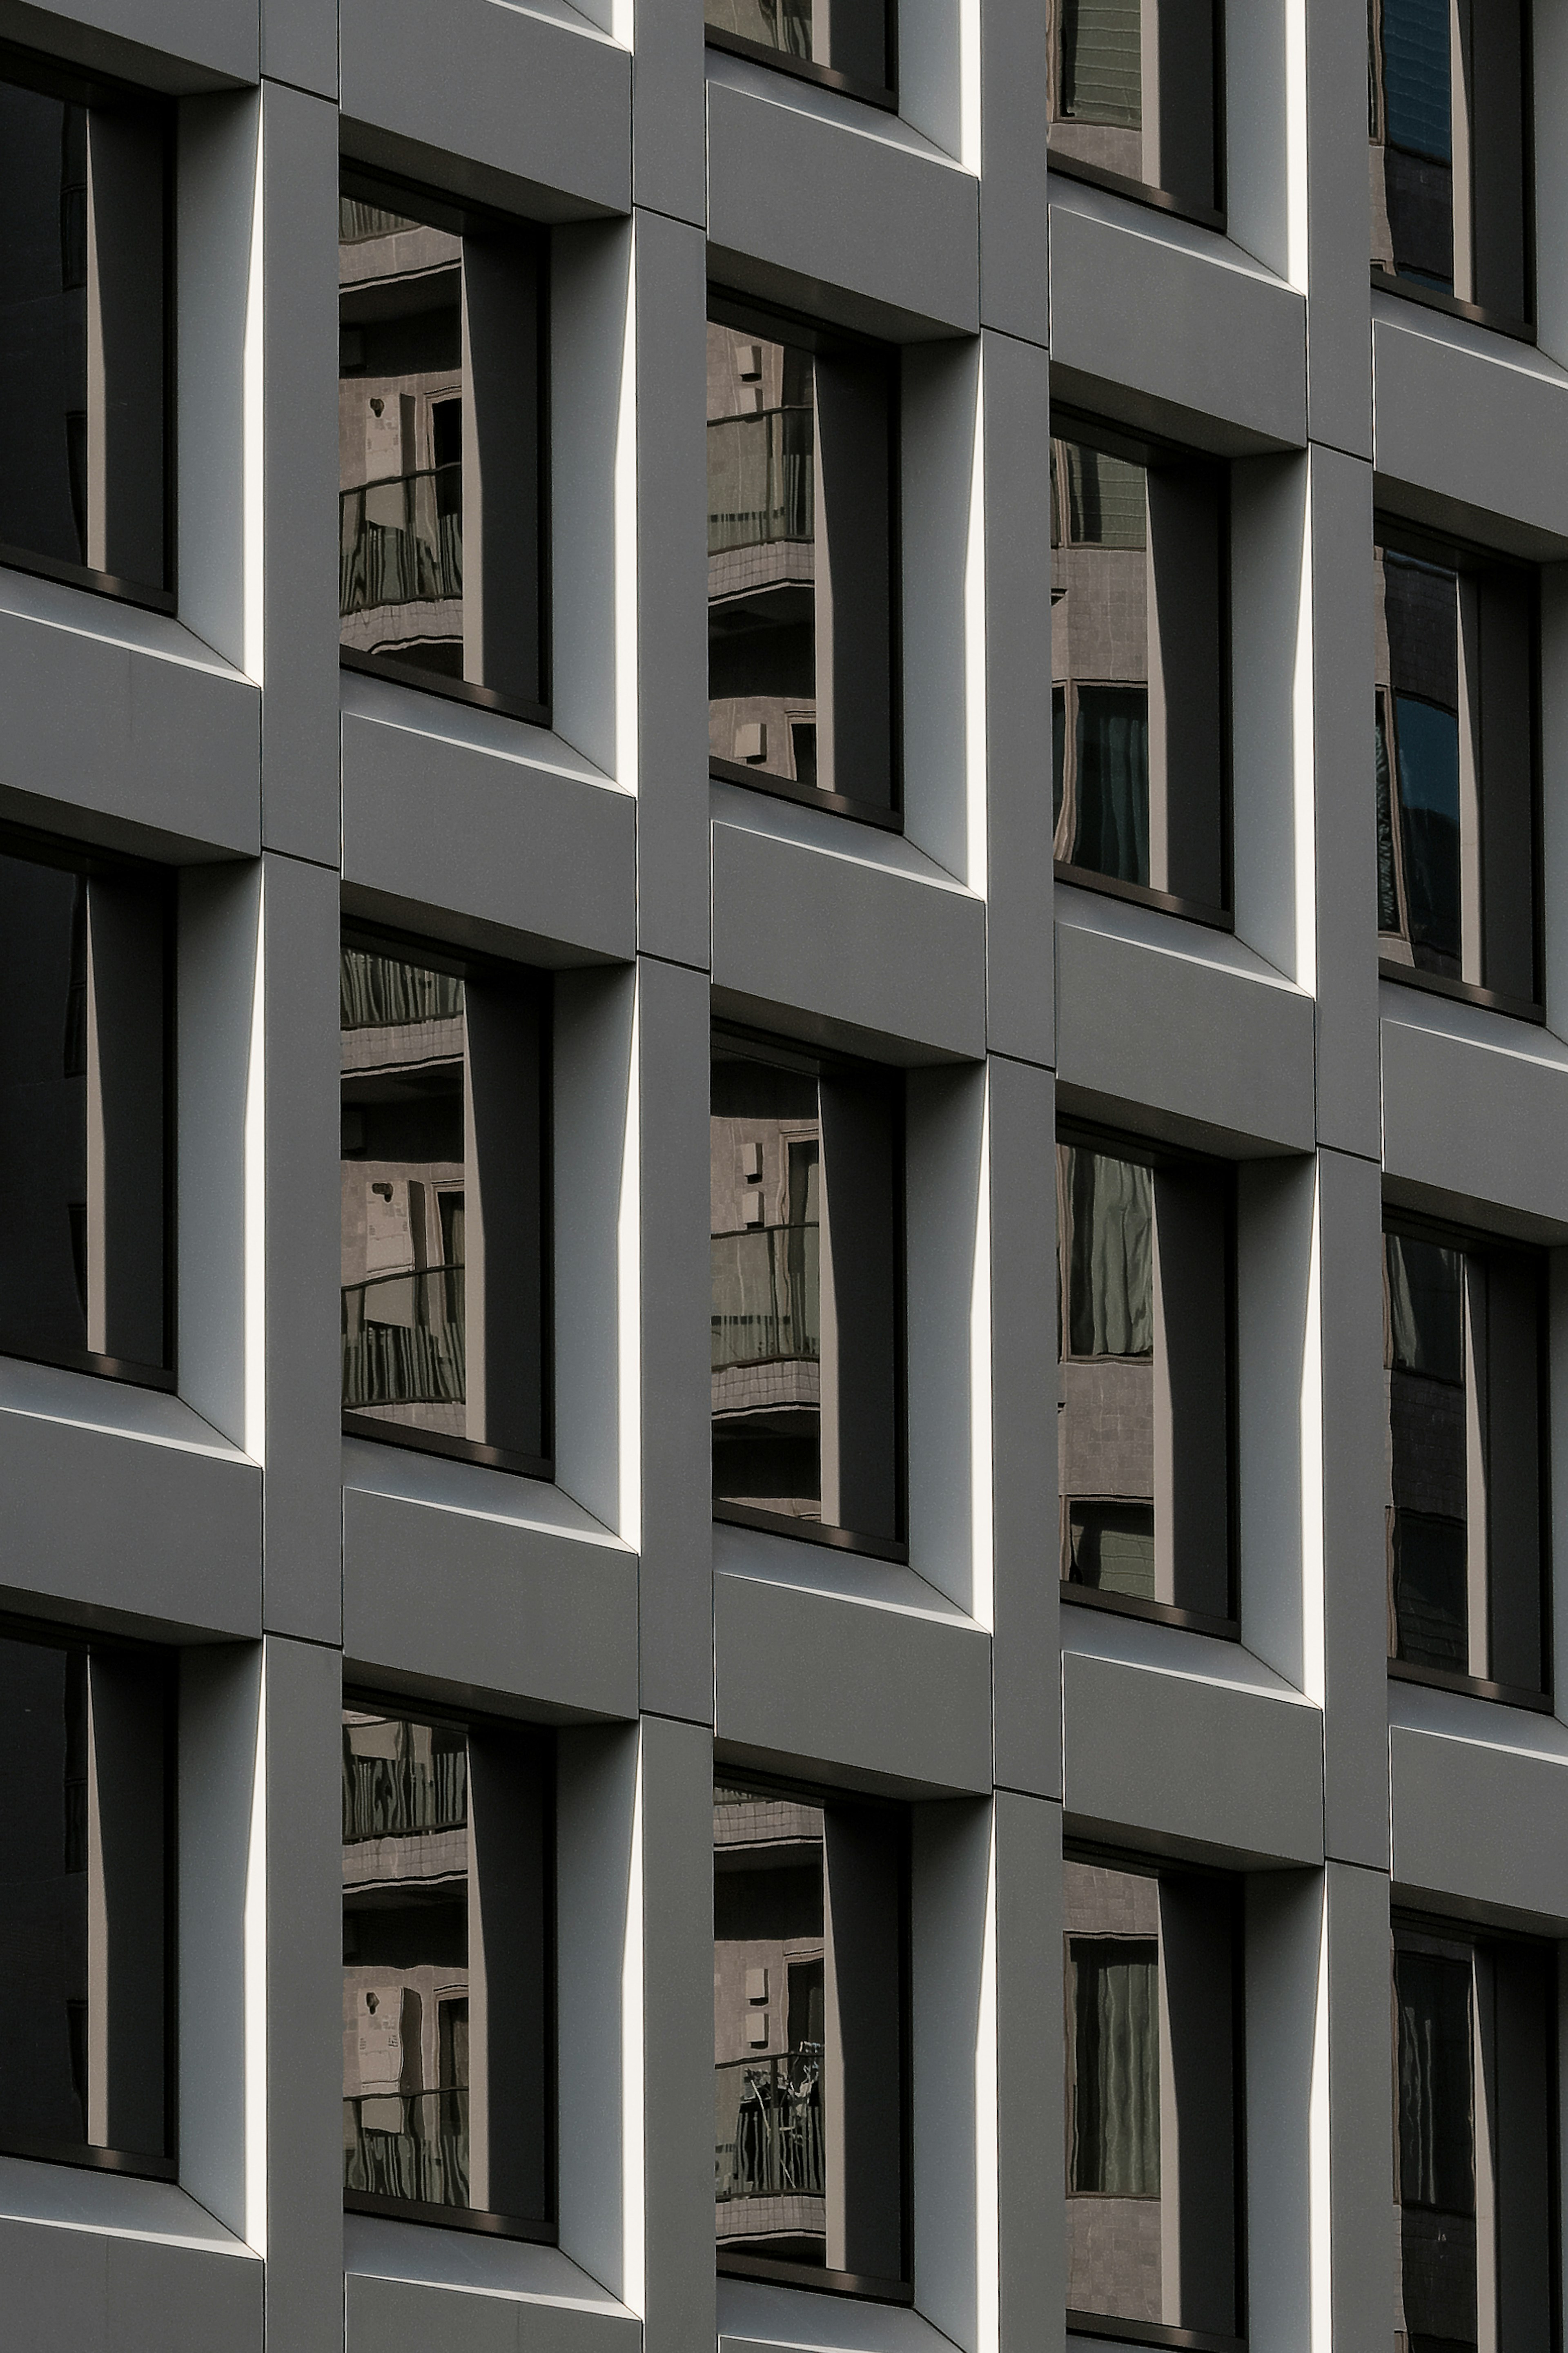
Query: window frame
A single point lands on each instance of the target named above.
(893, 1079)
(1231, 1890)
(366, 184)
(1393, 535)
(74, 85)
(856, 2287)
(1143, 192)
(1149, 450)
(1144, 1152)
(884, 95)
(728, 307)
(1472, 1242)
(540, 1738)
(461, 963)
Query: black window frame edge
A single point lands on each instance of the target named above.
(885, 96)
(1473, 1240)
(1393, 535)
(781, 324)
(893, 1076)
(856, 2286)
(84, 2158)
(366, 184)
(1150, 1153)
(1142, 192)
(378, 939)
(32, 844)
(35, 70)
(543, 1738)
(1148, 1864)
(1148, 449)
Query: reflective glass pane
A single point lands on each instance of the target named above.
(1100, 652)
(1429, 1537)
(1435, 2057)
(1106, 1225)
(844, 37)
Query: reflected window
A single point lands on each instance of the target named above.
(86, 957)
(445, 1243)
(1138, 729)
(1456, 769)
(86, 1879)
(84, 215)
(449, 2071)
(805, 1165)
(800, 577)
(441, 470)
(1144, 1283)
(843, 44)
(1465, 1369)
(1474, 2059)
(810, 1994)
(1450, 130)
(1153, 2096)
(1135, 98)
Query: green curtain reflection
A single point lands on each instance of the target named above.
(1115, 2061)
(1109, 1279)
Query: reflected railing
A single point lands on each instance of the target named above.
(404, 1795)
(759, 478)
(767, 2137)
(400, 542)
(412, 2145)
(766, 1296)
(402, 1338)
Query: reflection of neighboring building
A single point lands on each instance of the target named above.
(1106, 1359)
(1114, 2086)
(1427, 855)
(766, 1308)
(1100, 661)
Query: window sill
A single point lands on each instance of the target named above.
(1139, 895)
(812, 1532)
(1157, 199)
(454, 1449)
(382, 2254)
(1404, 1670)
(1432, 298)
(1099, 2326)
(800, 68)
(121, 2205)
(448, 2218)
(81, 576)
(807, 2275)
(784, 788)
(1158, 1613)
(1463, 992)
(447, 689)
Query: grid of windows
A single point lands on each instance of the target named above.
(1120, 1801)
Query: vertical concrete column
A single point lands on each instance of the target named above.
(953, 2072)
(1023, 2038)
(1353, 2110)
(1337, 250)
(670, 2278)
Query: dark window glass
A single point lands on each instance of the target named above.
(1465, 1367)
(1137, 617)
(810, 1914)
(1144, 1256)
(844, 43)
(1455, 752)
(441, 358)
(806, 1156)
(85, 957)
(83, 393)
(444, 1190)
(1153, 2001)
(1133, 97)
(1474, 2055)
(800, 574)
(85, 1874)
(449, 2072)
(1451, 142)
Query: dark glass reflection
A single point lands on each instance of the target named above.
(82, 210)
(799, 623)
(1428, 1445)
(1419, 817)
(442, 1339)
(82, 1901)
(1436, 2094)
(844, 37)
(1133, 93)
(1412, 160)
(82, 1109)
(807, 2033)
(805, 1357)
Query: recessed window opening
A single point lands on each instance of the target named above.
(845, 45)
(1145, 1254)
(85, 381)
(1135, 100)
(441, 442)
(811, 2037)
(1138, 733)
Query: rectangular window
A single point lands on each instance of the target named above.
(1145, 1283)
(1153, 2098)
(1449, 121)
(441, 447)
(448, 1936)
(1457, 900)
(1475, 2064)
(86, 1159)
(1135, 100)
(86, 1883)
(85, 227)
(843, 44)
(1140, 741)
(810, 2037)
(807, 1159)
(802, 652)
(444, 1193)
(1464, 1353)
